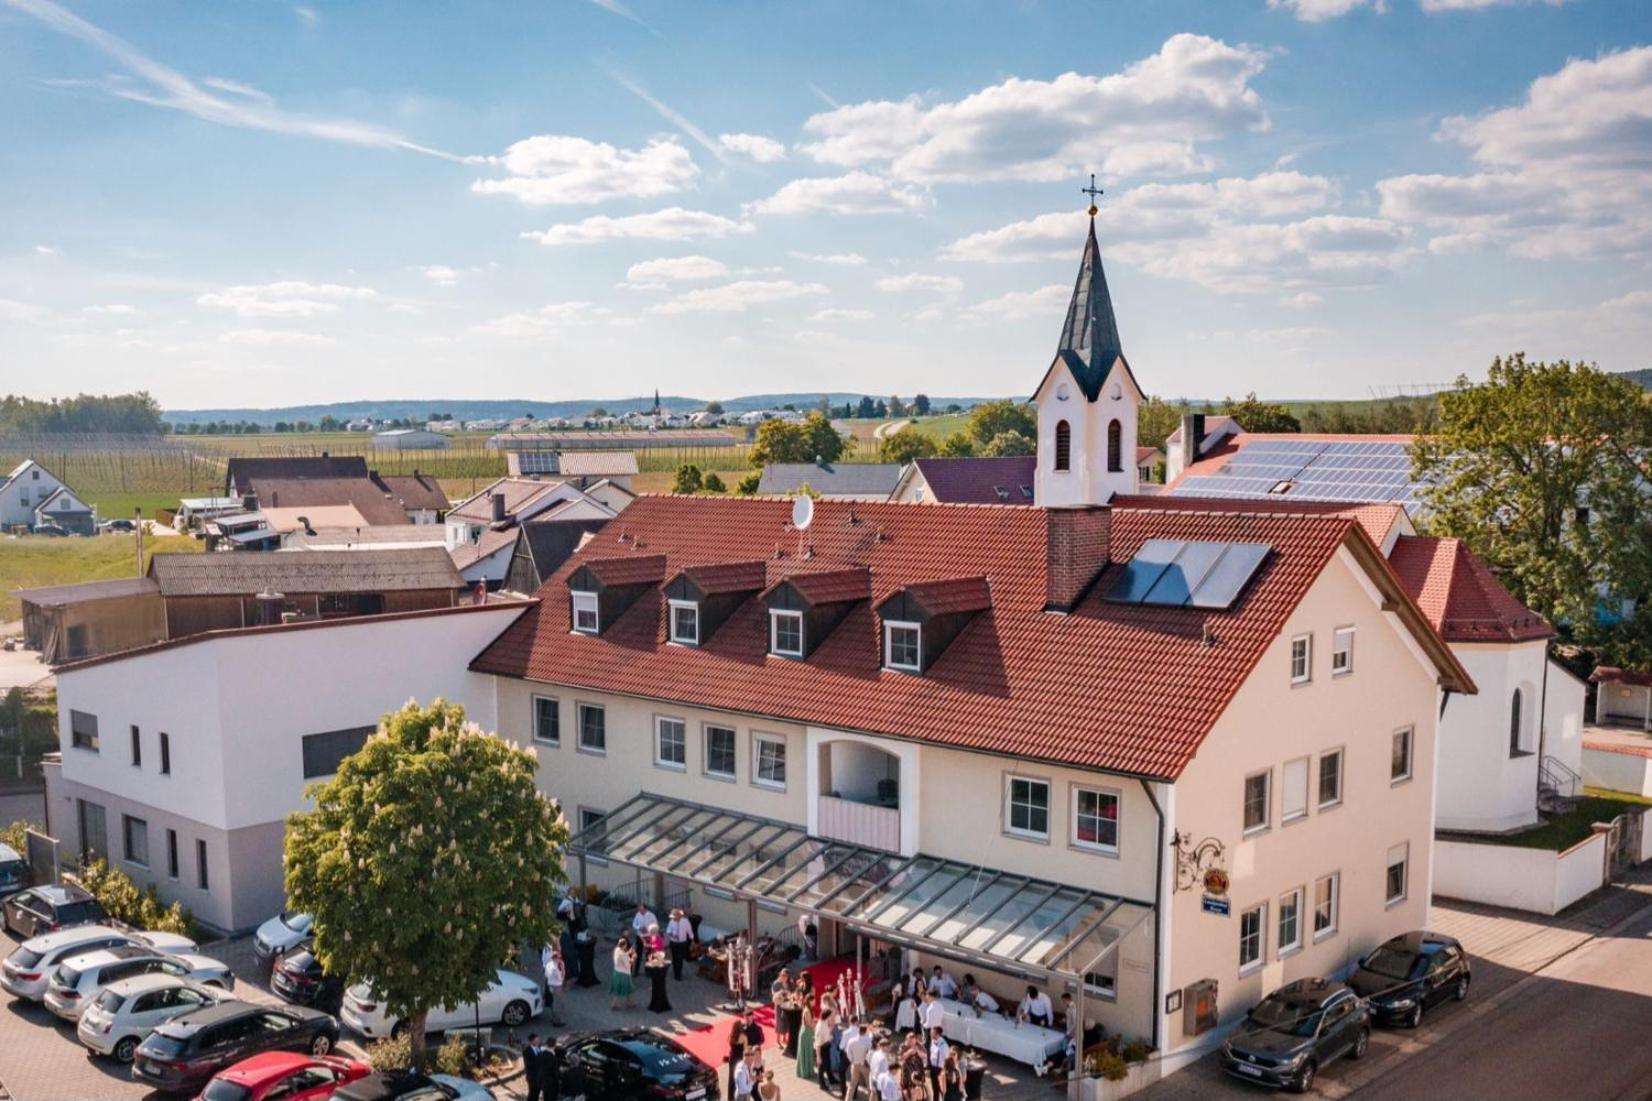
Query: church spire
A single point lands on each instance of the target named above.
(1090, 338)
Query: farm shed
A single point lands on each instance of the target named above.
(70, 622)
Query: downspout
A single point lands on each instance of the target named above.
(1158, 918)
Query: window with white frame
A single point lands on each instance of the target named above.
(1027, 807)
(1096, 819)
(670, 742)
(135, 840)
(585, 613)
(720, 752)
(1251, 924)
(1330, 778)
(1342, 651)
(1326, 890)
(685, 622)
(1258, 792)
(1104, 978)
(786, 634)
(1302, 659)
(902, 646)
(593, 728)
(1290, 921)
(1293, 798)
(768, 760)
(1398, 867)
(547, 720)
(1399, 760)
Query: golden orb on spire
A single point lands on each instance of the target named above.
(1093, 191)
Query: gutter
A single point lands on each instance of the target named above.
(1158, 918)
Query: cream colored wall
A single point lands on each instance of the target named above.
(1270, 722)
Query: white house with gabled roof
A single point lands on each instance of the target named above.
(22, 492)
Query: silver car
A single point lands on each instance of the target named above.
(27, 971)
(126, 1012)
(78, 980)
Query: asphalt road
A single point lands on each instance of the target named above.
(1580, 1030)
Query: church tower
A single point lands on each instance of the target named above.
(1089, 401)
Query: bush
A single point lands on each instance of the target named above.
(393, 1054)
(748, 485)
(453, 1057)
(1107, 1065)
(688, 479)
(713, 484)
(1137, 1051)
(13, 835)
(125, 902)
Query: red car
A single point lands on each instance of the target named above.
(284, 1074)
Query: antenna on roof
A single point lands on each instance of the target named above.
(803, 513)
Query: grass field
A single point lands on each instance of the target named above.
(31, 561)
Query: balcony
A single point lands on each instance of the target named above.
(856, 823)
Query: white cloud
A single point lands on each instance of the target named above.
(814, 336)
(552, 169)
(841, 259)
(13, 310)
(759, 148)
(671, 224)
(1566, 173)
(285, 299)
(737, 297)
(150, 82)
(1044, 302)
(112, 309)
(917, 281)
(1302, 300)
(614, 7)
(675, 269)
(264, 338)
(442, 274)
(839, 313)
(1194, 88)
(307, 16)
(46, 250)
(1482, 5)
(1318, 11)
(537, 324)
(854, 193)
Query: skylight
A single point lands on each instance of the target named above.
(1175, 573)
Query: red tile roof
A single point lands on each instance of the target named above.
(1611, 674)
(622, 570)
(1460, 595)
(977, 481)
(728, 577)
(953, 594)
(829, 586)
(1125, 688)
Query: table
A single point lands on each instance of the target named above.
(1031, 1044)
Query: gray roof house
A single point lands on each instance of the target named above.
(833, 481)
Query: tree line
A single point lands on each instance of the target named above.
(126, 414)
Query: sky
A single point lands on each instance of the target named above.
(274, 203)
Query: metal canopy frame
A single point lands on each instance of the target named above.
(768, 862)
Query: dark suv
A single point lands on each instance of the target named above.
(47, 909)
(298, 978)
(1293, 1033)
(627, 1063)
(1411, 974)
(182, 1054)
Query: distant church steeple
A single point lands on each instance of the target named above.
(656, 401)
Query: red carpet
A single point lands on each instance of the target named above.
(825, 974)
(710, 1043)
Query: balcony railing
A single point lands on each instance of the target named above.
(859, 823)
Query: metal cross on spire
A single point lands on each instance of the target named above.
(1094, 192)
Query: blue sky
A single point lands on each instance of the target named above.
(267, 202)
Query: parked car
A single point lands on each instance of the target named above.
(626, 1063)
(510, 1000)
(50, 529)
(123, 1016)
(285, 1075)
(14, 871)
(121, 524)
(412, 1087)
(1295, 1032)
(166, 944)
(282, 932)
(181, 1055)
(46, 909)
(1410, 974)
(299, 978)
(77, 981)
(28, 969)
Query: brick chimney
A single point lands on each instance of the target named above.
(1193, 434)
(1076, 542)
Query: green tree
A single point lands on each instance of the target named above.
(781, 441)
(1259, 416)
(1009, 443)
(714, 407)
(1543, 470)
(920, 405)
(330, 423)
(748, 485)
(688, 480)
(996, 417)
(896, 407)
(1157, 419)
(959, 445)
(713, 484)
(907, 444)
(866, 409)
(430, 859)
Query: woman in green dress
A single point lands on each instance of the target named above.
(806, 1043)
(620, 987)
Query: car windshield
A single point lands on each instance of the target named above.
(220, 1090)
(295, 921)
(23, 957)
(1391, 963)
(66, 976)
(109, 1001)
(1280, 1015)
(661, 1059)
(163, 1046)
(85, 910)
(12, 869)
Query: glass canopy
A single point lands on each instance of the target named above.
(968, 912)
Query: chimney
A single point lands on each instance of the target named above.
(270, 606)
(1076, 543)
(1193, 433)
(249, 503)
(275, 499)
(498, 507)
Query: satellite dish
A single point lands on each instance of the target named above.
(803, 512)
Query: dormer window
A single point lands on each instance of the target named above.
(786, 634)
(585, 613)
(685, 622)
(903, 646)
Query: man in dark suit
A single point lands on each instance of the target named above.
(533, 1068)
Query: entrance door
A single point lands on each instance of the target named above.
(94, 831)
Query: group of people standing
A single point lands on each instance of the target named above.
(647, 948)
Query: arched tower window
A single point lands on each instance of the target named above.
(1063, 446)
(1115, 446)
(1514, 725)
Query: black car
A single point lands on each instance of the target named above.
(182, 1054)
(1411, 974)
(626, 1063)
(404, 1086)
(1293, 1033)
(119, 525)
(41, 910)
(298, 978)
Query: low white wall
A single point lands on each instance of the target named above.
(1617, 771)
(1536, 880)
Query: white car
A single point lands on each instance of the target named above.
(168, 944)
(279, 934)
(126, 1012)
(511, 1000)
(77, 981)
(26, 972)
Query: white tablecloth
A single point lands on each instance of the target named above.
(1031, 1044)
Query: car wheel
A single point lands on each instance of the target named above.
(1414, 1019)
(515, 1014)
(1460, 992)
(126, 1050)
(398, 1030)
(1362, 1042)
(1305, 1081)
(321, 1044)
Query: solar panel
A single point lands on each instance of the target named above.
(1173, 573)
(1143, 571)
(1183, 576)
(1229, 576)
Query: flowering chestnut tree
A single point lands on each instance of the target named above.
(429, 860)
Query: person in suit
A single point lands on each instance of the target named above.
(533, 1057)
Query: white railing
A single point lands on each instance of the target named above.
(859, 823)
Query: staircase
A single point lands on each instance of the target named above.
(1558, 786)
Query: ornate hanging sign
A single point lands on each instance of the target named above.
(1202, 865)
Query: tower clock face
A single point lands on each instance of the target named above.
(1118, 391)
(1062, 393)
